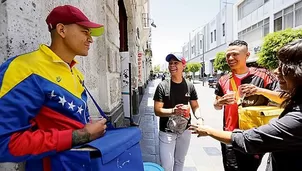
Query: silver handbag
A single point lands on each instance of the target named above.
(177, 124)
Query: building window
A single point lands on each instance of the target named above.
(215, 35)
(223, 29)
(288, 17)
(265, 26)
(278, 21)
(265, 29)
(240, 37)
(255, 32)
(298, 14)
(193, 49)
(249, 6)
(145, 17)
(211, 37)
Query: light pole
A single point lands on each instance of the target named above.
(203, 64)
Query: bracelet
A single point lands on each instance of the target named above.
(200, 118)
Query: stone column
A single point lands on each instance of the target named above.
(131, 9)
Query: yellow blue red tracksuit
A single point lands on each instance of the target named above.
(42, 100)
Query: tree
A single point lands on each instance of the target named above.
(272, 43)
(156, 69)
(220, 63)
(194, 67)
(187, 70)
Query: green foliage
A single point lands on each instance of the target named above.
(220, 63)
(148, 52)
(166, 71)
(156, 68)
(187, 70)
(194, 67)
(272, 43)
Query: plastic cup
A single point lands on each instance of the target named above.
(93, 119)
(187, 113)
(232, 94)
(240, 92)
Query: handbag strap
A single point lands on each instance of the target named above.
(233, 84)
(235, 89)
(108, 123)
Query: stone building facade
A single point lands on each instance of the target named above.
(23, 28)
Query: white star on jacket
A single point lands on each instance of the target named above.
(62, 100)
(71, 105)
(80, 109)
(52, 94)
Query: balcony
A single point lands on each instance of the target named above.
(146, 35)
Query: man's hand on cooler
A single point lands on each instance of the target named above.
(90, 132)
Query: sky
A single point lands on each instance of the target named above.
(174, 20)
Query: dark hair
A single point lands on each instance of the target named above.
(290, 58)
(238, 43)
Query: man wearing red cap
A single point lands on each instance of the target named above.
(172, 101)
(43, 104)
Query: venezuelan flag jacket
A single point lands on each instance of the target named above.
(42, 101)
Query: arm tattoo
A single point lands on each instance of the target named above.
(80, 136)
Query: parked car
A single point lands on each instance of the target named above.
(212, 82)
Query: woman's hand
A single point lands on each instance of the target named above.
(201, 130)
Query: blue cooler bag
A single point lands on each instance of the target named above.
(118, 150)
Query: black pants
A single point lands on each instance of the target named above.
(234, 160)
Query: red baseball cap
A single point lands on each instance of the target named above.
(68, 14)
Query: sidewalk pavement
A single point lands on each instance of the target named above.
(148, 124)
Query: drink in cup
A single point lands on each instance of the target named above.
(241, 95)
(93, 119)
(232, 94)
(187, 113)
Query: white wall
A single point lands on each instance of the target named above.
(256, 16)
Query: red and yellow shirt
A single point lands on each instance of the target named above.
(256, 76)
